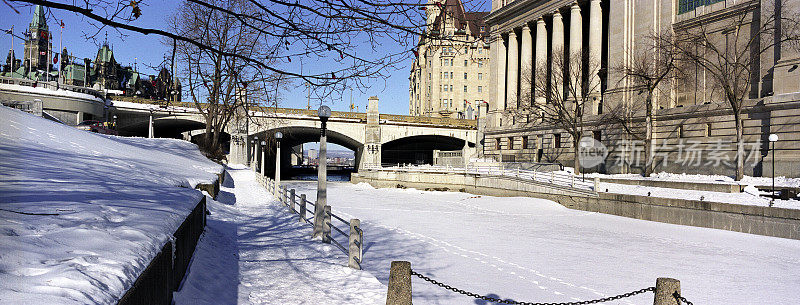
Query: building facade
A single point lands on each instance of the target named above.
(691, 112)
(450, 72)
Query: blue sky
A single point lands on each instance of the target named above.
(148, 50)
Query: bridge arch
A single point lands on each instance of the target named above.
(298, 135)
(418, 149)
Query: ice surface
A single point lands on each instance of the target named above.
(82, 214)
(535, 250)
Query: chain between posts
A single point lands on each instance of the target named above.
(496, 300)
(681, 299)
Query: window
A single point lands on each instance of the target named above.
(465, 75)
(557, 140)
(510, 142)
(480, 50)
(451, 75)
(429, 75)
(685, 6)
(441, 75)
(445, 103)
(524, 142)
(480, 76)
(680, 131)
(598, 135)
(451, 88)
(497, 144)
(465, 63)
(480, 89)
(443, 88)
(708, 129)
(441, 62)
(480, 63)
(465, 89)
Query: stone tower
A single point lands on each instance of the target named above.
(37, 44)
(371, 155)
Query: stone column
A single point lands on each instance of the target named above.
(575, 48)
(500, 98)
(526, 67)
(595, 47)
(541, 54)
(513, 70)
(557, 74)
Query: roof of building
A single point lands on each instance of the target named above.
(39, 20)
(105, 54)
(470, 22)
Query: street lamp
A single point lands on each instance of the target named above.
(278, 137)
(772, 139)
(324, 113)
(252, 152)
(115, 122)
(263, 157)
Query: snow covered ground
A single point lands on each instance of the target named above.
(535, 250)
(255, 252)
(747, 180)
(82, 214)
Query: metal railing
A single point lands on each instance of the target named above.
(298, 204)
(50, 85)
(555, 178)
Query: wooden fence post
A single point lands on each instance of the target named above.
(326, 225)
(356, 240)
(291, 201)
(399, 284)
(302, 208)
(665, 288)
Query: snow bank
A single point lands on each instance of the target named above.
(42, 90)
(82, 214)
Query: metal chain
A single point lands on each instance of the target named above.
(490, 299)
(681, 299)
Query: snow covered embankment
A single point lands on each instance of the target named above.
(83, 214)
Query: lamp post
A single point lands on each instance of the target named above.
(252, 152)
(772, 139)
(150, 129)
(324, 113)
(263, 157)
(278, 137)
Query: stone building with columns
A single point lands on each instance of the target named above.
(450, 72)
(525, 34)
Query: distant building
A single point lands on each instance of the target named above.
(102, 73)
(450, 73)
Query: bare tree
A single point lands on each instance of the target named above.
(561, 98)
(652, 65)
(729, 51)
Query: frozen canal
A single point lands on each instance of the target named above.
(535, 250)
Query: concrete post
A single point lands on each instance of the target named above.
(665, 288)
(278, 164)
(399, 292)
(303, 208)
(150, 131)
(326, 225)
(292, 201)
(596, 184)
(263, 161)
(356, 240)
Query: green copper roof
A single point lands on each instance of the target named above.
(39, 20)
(104, 54)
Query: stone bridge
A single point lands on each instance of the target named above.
(375, 138)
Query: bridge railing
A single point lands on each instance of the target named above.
(556, 178)
(50, 85)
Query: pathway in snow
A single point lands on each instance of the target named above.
(535, 250)
(255, 252)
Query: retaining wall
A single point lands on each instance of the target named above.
(777, 222)
(165, 272)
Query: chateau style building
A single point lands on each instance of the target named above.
(450, 73)
(691, 116)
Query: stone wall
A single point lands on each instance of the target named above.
(777, 222)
